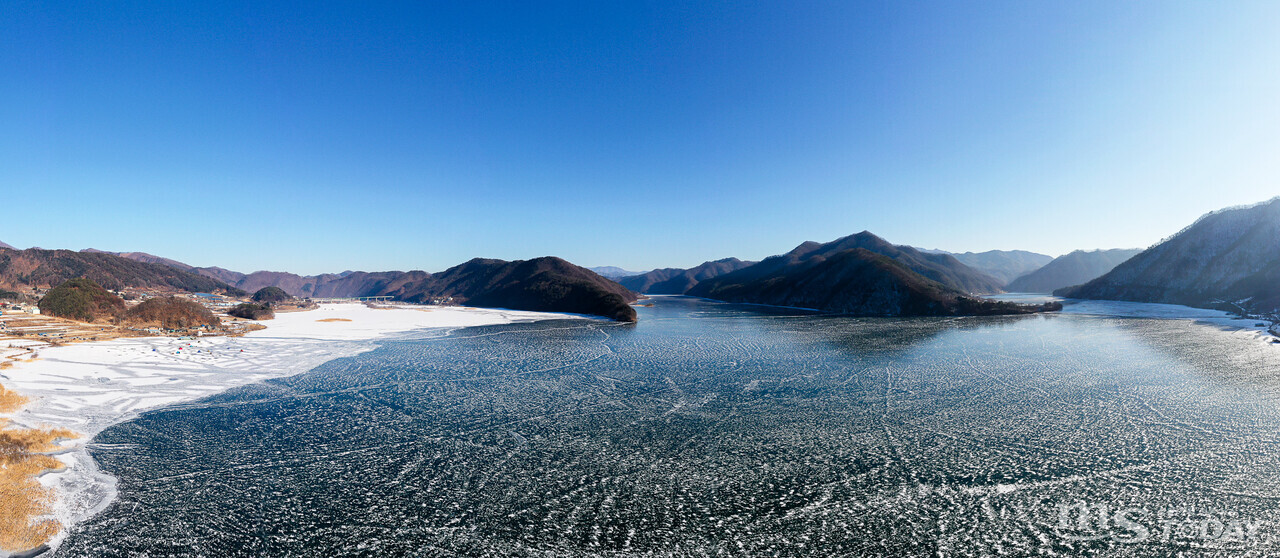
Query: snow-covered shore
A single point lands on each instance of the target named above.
(90, 386)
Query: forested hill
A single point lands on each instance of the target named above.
(36, 267)
(855, 281)
(546, 284)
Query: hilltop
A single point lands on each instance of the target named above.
(546, 284)
(82, 300)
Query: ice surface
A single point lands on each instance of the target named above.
(714, 429)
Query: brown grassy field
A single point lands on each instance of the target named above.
(25, 500)
(10, 401)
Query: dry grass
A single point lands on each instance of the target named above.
(10, 401)
(25, 500)
(334, 320)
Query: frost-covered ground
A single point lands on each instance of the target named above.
(88, 387)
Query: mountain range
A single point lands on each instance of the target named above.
(677, 281)
(1226, 258)
(36, 267)
(613, 272)
(1005, 265)
(942, 268)
(1075, 268)
(542, 284)
(863, 275)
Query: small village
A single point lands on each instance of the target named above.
(24, 329)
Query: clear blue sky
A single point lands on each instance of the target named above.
(314, 137)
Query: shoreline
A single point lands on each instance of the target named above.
(88, 387)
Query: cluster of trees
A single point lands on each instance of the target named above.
(82, 299)
(171, 312)
(262, 307)
(982, 307)
(252, 311)
(271, 295)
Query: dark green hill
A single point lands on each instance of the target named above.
(251, 311)
(270, 295)
(81, 299)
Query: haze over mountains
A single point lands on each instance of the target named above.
(1229, 256)
(613, 272)
(1005, 265)
(1075, 268)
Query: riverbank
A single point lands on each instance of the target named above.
(84, 388)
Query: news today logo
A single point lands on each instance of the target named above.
(1083, 521)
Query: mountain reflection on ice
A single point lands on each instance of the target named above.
(711, 429)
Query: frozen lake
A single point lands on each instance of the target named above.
(717, 429)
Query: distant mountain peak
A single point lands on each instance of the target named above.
(614, 272)
(678, 281)
(1005, 265)
(1074, 268)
